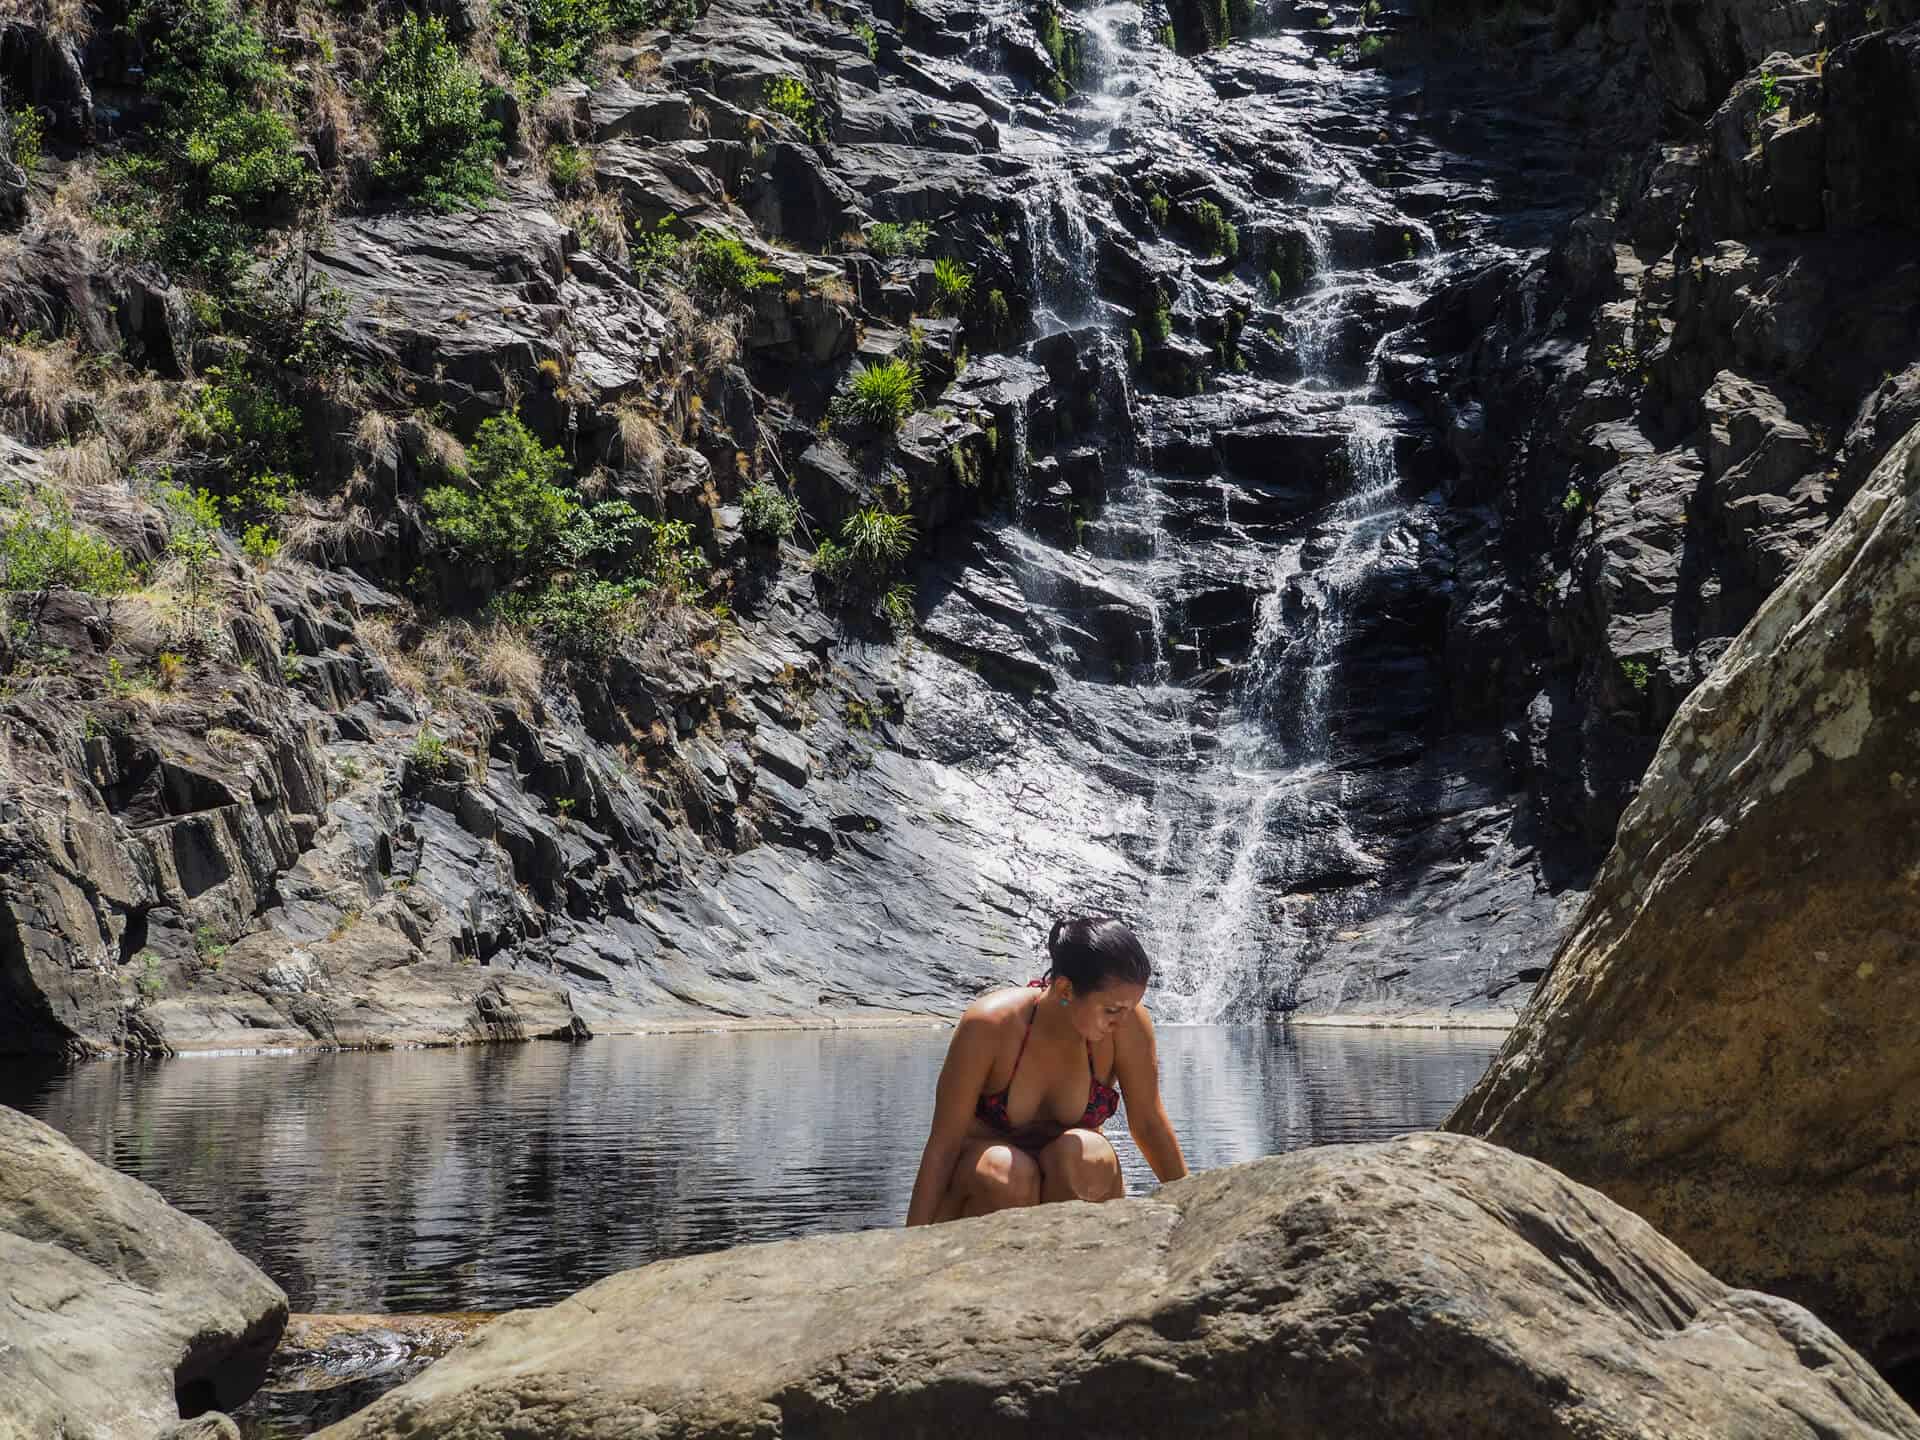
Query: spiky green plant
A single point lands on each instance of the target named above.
(881, 395)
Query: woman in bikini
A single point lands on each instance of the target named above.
(1017, 1116)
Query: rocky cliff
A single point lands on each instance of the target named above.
(963, 463)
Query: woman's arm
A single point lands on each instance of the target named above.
(962, 1078)
(1136, 1065)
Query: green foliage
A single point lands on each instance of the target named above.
(586, 616)
(767, 514)
(870, 37)
(1136, 347)
(1158, 207)
(1165, 36)
(557, 38)
(999, 314)
(1770, 97)
(195, 522)
(52, 553)
(790, 97)
(568, 167)
(1370, 47)
(888, 241)
(722, 265)
(882, 395)
(259, 544)
(952, 284)
(254, 436)
(25, 135)
(897, 606)
(830, 559)
(1062, 47)
(655, 251)
(1157, 322)
(206, 943)
(1220, 235)
(514, 511)
(877, 540)
(1573, 502)
(151, 982)
(430, 758)
(437, 144)
(1636, 673)
(225, 159)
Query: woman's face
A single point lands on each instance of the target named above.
(1095, 1013)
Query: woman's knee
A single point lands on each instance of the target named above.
(1081, 1165)
(1001, 1178)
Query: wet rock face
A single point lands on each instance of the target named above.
(1413, 1288)
(1724, 1044)
(122, 1315)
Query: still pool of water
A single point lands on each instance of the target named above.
(508, 1175)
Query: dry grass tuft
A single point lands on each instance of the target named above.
(374, 433)
(439, 447)
(66, 19)
(85, 465)
(39, 388)
(642, 443)
(597, 220)
(716, 343)
(508, 665)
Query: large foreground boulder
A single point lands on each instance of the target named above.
(1727, 1040)
(118, 1314)
(1426, 1286)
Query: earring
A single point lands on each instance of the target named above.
(1063, 1002)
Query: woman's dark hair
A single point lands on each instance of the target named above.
(1092, 950)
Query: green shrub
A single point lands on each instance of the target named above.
(225, 160)
(655, 251)
(877, 540)
(513, 512)
(1221, 235)
(255, 436)
(999, 313)
(437, 144)
(882, 395)
(587, 616)
(568, 167)
(1157, 322)
(725, 266)
(1158, 207)
(897, 606)
(25, 134)
(870, 37)
(790, 97)
(1636, 673)
(560, 36)
(1052, 38)
(830, 559)
(430, 758)
(888, 241)
(767, 514)
(55, 554)
(1136, 348)
(195, 518)
(952, 284)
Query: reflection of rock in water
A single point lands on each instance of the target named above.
(330, 1366)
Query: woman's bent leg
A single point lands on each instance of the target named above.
(990, 1175)
(1080, 1165)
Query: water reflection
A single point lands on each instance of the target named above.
(499, 1176)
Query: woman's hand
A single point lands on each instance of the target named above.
(1136, 1065)
(962, 1080)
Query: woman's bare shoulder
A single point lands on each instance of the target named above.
(998, 1007)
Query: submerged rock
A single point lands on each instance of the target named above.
(1426, 1286)
(1725, 1042)
(119, 1315)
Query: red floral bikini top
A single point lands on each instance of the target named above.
(1102, 1099)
